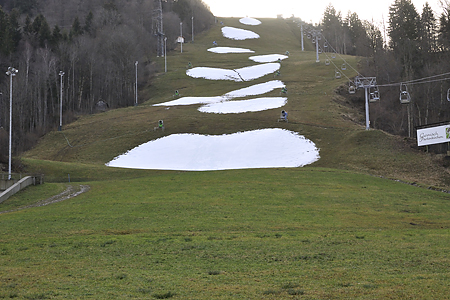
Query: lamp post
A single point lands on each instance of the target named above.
(136, 102)
(165, 54)
(192, 28)
(11, 73)
(181, 36)
(301, 34)
(61, 74)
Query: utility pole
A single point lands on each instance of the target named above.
(301, 34)
(366, 83)
(181, 36)
(192, 28)
(11, 73)
(61, 74)
(136, 88)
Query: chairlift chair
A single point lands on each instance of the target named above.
(448, 95)
(333, 55)
(351, 88)
(327, 62)
(344, 67)
(320, 51)
(405, 97)
(374, 95)
(337, 74)
(325, 45)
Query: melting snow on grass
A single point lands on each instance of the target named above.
(268, 58)
(250, 21)
(256, 89)
(229, 50)
(264, 148)
(238, 34)
(242, 106)
(242, 74)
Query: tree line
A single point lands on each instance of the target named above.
(413, 48)
(95, 43)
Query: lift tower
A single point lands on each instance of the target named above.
(157, 26)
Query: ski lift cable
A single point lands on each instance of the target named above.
(416, 81)
(334, 50)
(338, 68)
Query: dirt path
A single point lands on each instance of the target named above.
(70, 192)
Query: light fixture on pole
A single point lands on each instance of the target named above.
(61, 74)
(11, 73)
(136, 102)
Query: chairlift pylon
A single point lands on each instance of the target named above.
(405, 97)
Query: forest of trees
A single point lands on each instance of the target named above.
(414, 44)
(95, 42)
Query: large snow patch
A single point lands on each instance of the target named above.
(230, 50)
(238, 34)
(264, 148)
(242, 74)
(242, 106)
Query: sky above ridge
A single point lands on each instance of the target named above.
(310, 11)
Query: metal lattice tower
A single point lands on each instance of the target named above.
(157, 26)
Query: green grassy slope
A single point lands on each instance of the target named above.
(326, 231)
(313, 111)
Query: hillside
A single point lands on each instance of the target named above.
(315, 111)
(324, 231)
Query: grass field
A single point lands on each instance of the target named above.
(338, 229)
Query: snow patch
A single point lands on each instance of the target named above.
(268, 58)
(256, 89)
(229, 50)
(238, 34)
(250, 21)
(264, 148)
(242, 74)
(242, 106)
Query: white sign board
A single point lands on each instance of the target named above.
(433, 135)
(180, 39)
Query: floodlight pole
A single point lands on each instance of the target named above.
(301, 35)
(136, 87)
(61, 74)
(317, 48)
(11, 73)
(165, 55)
(181, 35)
(192, 28)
